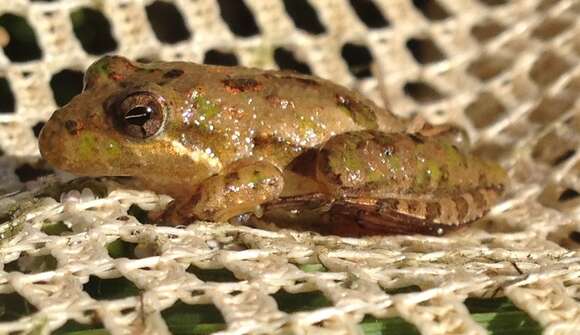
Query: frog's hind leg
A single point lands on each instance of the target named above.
(371, 216)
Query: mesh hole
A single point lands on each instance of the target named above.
(22, 45)
(485, 110)
(553, 149)
(167, 22)
(568, 194)
(73, 327)
(93, 31)
(109, 289)
(486, 30)
(304, 16)
(14, 306)
(30, 264)
(27, 172)
(424, 50)
(369, 13)
(546, 4)
(37, 128)
(493, 3)
(238, 17)
(548, 68)
(421, 92)
(431, 9)
(65, 85)
(119, 249)
(213, 275)
(216, 57)
(7, 102)
(297, 302)
(551, 107)
(358, 58)
(488, 66)
(286, 61)
(181, 316)
(551, 27)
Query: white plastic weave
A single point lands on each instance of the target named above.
(506, 71)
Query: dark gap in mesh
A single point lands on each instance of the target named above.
(551, 27)
(13, 306)
(486, 30)
(58, 228)
(388, 325)
(29, 264)
(304, 16)
(213, 275)
(167, 22)
(485, 110)
(217, 57)
(564, 157)
(575, 236)
(421, 92)
(182, 318)
(298, 302)
(110, 289)
(402, 290)
(139, 213)
(286, 61)
(369, 13)
(359, 59)
(93, 30)
(238, 17)
(493, 3)
(424, 50)
(487, 67)
(27, 172)
(568, 194)
(37, 128)
(119, 249)
(7, 102)
(546, 5)
(548, 68)
(72, 327)
(65, 85)
(22, 44)
(431, 9)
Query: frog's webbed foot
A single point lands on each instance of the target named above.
(240, 189)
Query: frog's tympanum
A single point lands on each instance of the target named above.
(235, 143)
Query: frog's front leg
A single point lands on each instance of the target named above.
(241, 188)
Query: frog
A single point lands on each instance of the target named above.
(239, 144)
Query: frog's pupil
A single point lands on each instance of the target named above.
(138, 116)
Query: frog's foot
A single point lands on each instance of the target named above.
(240, 189)
(366, 216)
(446, 131)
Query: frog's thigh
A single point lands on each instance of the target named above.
(446, 131)
(240, 189)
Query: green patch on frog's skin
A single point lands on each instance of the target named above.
(205, 107)
(90, 144)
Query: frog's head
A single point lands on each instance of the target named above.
(120, 125)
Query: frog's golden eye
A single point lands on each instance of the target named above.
(140, 114)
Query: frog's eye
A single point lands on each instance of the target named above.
(140, 114)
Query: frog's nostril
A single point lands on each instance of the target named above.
(72, 127)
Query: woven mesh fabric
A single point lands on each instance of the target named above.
(506, 71)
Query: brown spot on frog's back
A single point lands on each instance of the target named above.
(173, 73)
(239, 85)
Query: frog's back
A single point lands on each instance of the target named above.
(242, 108)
